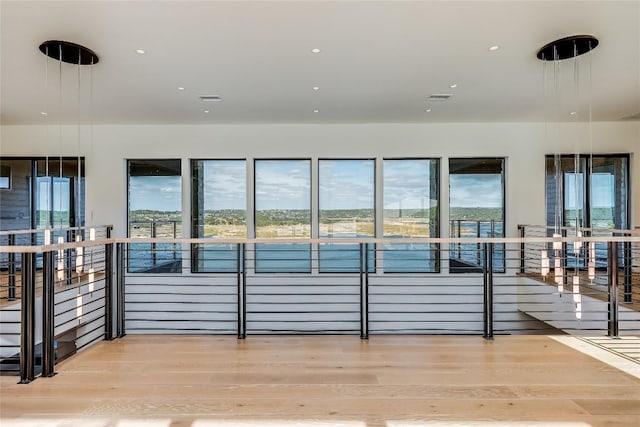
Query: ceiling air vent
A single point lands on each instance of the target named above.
(212, 98)
(439, 97)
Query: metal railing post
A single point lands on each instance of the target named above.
(175, 246)
(488, 291)
(68, 261)
(364, 291)
(154, 255)
(242, 292)
(522, 248)
(628, 274)
(120, 268)
(478, 245)
(27, 325)
(108, 291)
(11, 290)
(612, 272)
(48, 313)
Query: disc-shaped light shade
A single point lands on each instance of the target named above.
(567, 47)
(69, 52)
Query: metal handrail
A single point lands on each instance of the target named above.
(40, 230)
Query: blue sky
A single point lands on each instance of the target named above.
(346, 184)
(602, 190)
(160, 193)
(407, 184)
(283, 184)
(475, 190)
(225, 184)
(60, 200)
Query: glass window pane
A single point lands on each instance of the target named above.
(346, 210)
(44, 202)
(609, 192)
(155, 210)
(219, 197)
(59, 201)
(476, 209)
(15, 201)
(410, 210)
(574, 200)
(283, 210)
(604, 178)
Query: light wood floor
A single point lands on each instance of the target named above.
(390, 381)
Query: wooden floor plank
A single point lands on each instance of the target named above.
(207, 381)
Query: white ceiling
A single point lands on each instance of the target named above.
(379, 61)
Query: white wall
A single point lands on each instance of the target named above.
(524, 145)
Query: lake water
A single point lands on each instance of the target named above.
(331, 257)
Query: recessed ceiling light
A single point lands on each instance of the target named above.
(206, 111)
(453, 86)
(316, 111)
(439, 97)
(573, 113)
(43, 113)
(140, 51)
(316, 88)
(180, 88)
(428, 110)
(315, 50)
(494, 48)
(210, 98)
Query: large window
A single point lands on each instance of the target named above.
(588, 191)
(59, 193)
(283, 210)
(410, 210)
(219, 210)
(346, 209)
(155, 210)
(42, 193)
(476, 209)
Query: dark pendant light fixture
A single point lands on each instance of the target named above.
(568, 48)
(77, 55)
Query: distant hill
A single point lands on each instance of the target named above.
(476, 214)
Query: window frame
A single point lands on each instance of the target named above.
(255, 223)
(372, 264)
(503, 193)
(588, 158)
(438, 187)
(177, 247)
(193, 214)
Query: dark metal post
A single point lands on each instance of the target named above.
(48, 313)
(108, 291)
(242, 292)
(27, 333)
(478, 245)
(612, 272)
(175, 246)
(154, 255)
(11, 291)
(628, 289)
(120, 331)
(488, 291)
(364, 291)
(564, 258)
(68, 261)
(458, 236)
(522, 249)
